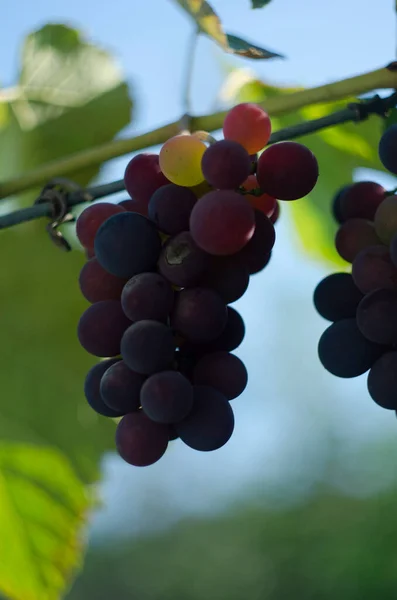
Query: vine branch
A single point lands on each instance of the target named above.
(358, 111)
(385, 78)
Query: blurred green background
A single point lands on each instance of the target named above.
(300, 502)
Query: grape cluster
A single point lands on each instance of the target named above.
(163, 268)
(363, 304)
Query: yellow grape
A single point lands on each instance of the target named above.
(180, 160)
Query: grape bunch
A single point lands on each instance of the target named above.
(163, 268)
(363, 304)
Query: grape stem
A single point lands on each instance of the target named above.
(385, 78)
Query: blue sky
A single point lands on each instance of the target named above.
(292, 410)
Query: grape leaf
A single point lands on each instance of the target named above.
(339, 150)
(259, 3)
(243, 48)
(206, 19)
(65, 83)
(42, 510)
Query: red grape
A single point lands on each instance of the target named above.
(361, 200)
(222, 222)
(353, 236)
(372, 269)
(377, 316)
(182, 262)
(256, 254)
(101, 328)
(249, 125)
(199, 314)
(92, 218)
(287, 171)
(264, 202)
(97, 284)
(135, 206)
(223, 371)
(148, 347)
(143, 177)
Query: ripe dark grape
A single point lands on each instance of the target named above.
(386, 219)
(222, 222)
(101, 328)
(373, 269)
(185, 361)
(388, 149)
(336, 201)
(97, 284)
(170, 208)
(182, 262)
(264, 202)
(135, 206)
(148, 347)
(140, 441)
(230, 339)
(199, 314)
(222, 371)
(143, 177)
(377, 316)
(336, 297)
(226, 164)
(120, 388)
(147, 296)
(173, 434)
(92, 388)
(127, 244)
(361, 200)
(287, 171)
(382, 381)
(254, 162)
(210, 423)
(89, 253)
(249, 125)
(92, 218)
(167, 397)
(345, 352)
(275, 214)
(256, 254)
(227, 276)
(353, 236)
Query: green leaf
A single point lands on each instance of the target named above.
(340, 150)
(259, 3)
(206, 19)
(67, 87)
(71, 96)
(243, 48)
(42, 510)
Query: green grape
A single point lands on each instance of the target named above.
(180, 160)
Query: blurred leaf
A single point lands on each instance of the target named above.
(72, 96)
(243, 48)
(206, 19)
(67, 86)
(340, 150)
(259, 3)
(42, 509)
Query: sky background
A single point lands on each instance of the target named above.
(292, 412)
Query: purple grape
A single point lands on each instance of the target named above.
(372, 269)
(127, 244)
(143, 177)
(336, 297)
(148, 347)
(96, 284)
(345, 352)
(382, 381)
(353, 236)
(210, 423)
(92, 388)
(336, 208)
(199, 315)
(226, 165)
(228, 276)
(223, 372)
(167, 397)
(182, 262)
(170, 208)
(140, 441)
(120, 388)
(361, 200)
(256, 254)
(388, 149)
(101, 328)
(147, 296)
(377, 316)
